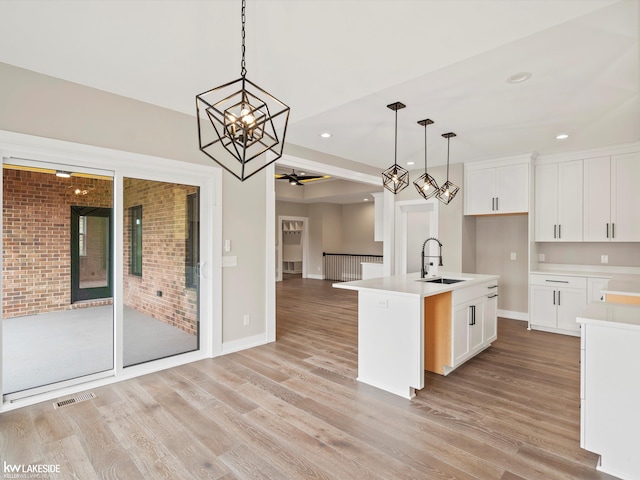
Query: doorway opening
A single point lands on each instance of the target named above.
(293, 247)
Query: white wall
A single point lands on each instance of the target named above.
(44, 106)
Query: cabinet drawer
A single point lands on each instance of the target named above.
(560, 281)
(466, 294)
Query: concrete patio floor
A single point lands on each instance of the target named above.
(47, 348)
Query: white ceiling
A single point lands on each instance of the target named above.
(338, 63)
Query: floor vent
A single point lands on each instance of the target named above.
(77, 399)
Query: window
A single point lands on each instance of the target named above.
(82, 236)
(193, 238)
(136, 240)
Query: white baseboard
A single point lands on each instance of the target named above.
(243, 343)
(315, 276)
(513, 315)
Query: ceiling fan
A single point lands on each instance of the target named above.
(298, 179)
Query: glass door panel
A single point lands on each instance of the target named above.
(50, 336)
(160, 269)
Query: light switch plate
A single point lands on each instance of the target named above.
(513, 255)
(229, 261)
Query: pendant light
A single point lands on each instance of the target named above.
(426, 184)
(239, 122)
(395, 178)
(448, 190)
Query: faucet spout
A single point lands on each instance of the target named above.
(423, 269)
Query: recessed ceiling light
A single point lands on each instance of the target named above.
(411, 163)
(366, 199)
(325, 135)
(519, 77)
(562, 136)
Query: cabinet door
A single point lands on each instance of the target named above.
(512, 188)
(570, 201)
(597, 200)
(625, 197)
(570, 301)
(543, 306)
(546, 203)
(476, 329)
(480, 191)
(460, 334)
(490, 318)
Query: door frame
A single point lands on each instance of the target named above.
(402, 209)
(52, 154)
(305, 244)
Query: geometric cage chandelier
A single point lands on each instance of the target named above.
(395, 178)
(426, 185)
(448, 190)
(239, 122)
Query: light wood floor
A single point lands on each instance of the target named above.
(293, 410)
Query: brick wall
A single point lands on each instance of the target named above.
(164, 250)
(36, 275)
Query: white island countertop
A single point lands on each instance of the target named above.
(614, 315)
(411, 284)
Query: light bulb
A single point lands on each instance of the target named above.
(425, 187)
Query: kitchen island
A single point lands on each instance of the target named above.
(407, 324)
(610, 385)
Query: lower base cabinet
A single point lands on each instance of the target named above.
(610, 395)
(459, 325)
(556, 301)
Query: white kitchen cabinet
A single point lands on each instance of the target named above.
(556, 301)
(610, 387)
(496, 190)
(595, 285)
(558, 202)
(611, 198)
(474, 316)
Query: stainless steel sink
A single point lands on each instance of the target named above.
(445, 281)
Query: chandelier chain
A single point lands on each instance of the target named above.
(243, 64)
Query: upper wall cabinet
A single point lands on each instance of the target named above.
(492, 189)
(612, 198)
(558, 202)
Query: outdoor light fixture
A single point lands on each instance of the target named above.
(448, 190)
(239, 122)
(63, 174)
(426, 185)
(395, 178)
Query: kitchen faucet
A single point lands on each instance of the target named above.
(423, 270)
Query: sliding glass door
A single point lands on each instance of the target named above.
(57, 305)
(161, 277)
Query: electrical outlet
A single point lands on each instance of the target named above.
(604, 258)
(384, 303)
(541, 257)
(513, 255)
(227, 245)
(246, 319)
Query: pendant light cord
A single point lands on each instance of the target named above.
(243, 64)
(395, 158)
(448, 139)
(425, 147)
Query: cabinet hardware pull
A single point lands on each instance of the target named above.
(554, 231)
(559, 231)
(613, 230)
(493, 286)
(557, 281)
(497, 200)
(493, 203)
(492, 296)
(554, 297)
(558, 297)
(607, 230)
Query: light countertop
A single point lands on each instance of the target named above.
(410, 283)
(611, 315)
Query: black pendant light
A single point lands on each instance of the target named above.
(395, 178)
(448, 190)
(426, 185)
(239, 122)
